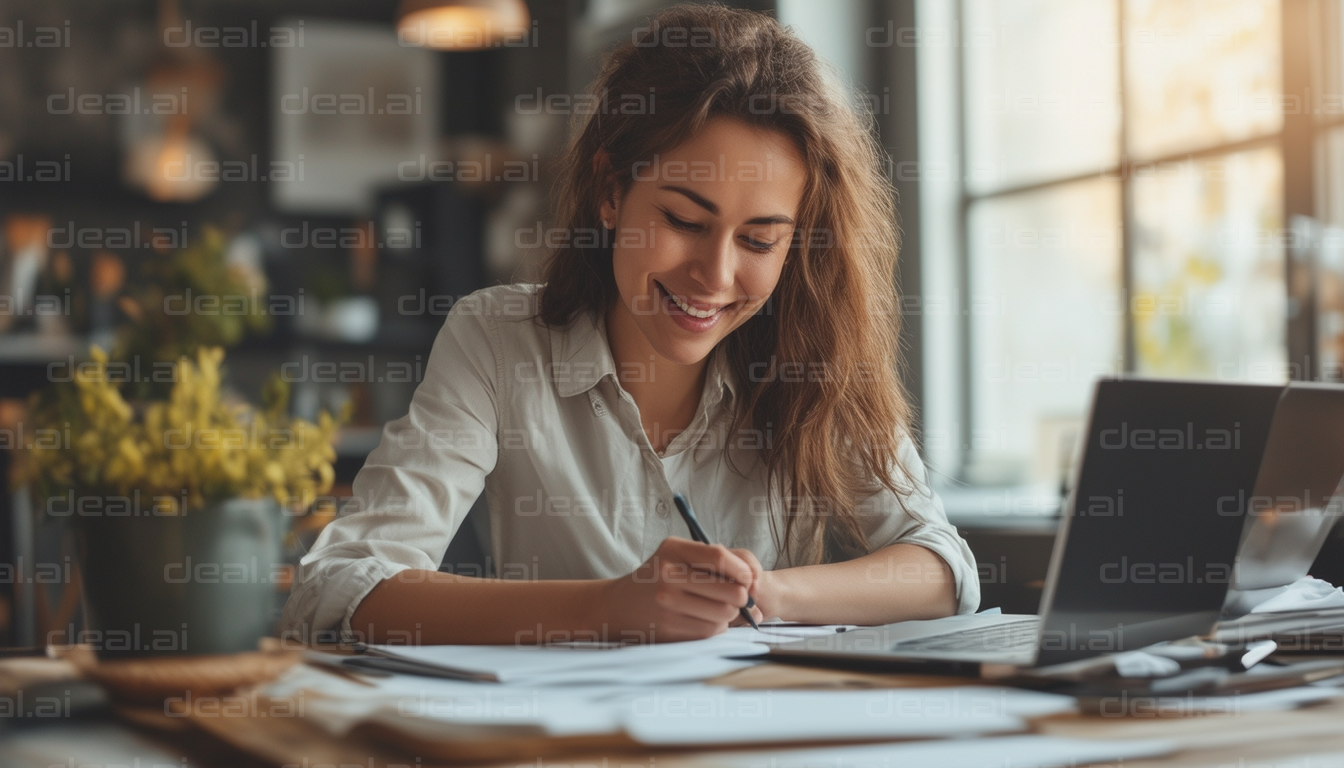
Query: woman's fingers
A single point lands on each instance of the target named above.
(748, 557)
(712, 587)
(757, 572)
(755, 614)
(680, 628)
(694, 606)
(706, 557)
(705, 584)
(698, 589)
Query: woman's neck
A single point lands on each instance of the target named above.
(666, 393)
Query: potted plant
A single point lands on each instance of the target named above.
(177, 504)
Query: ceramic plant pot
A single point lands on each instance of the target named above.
(197, 583)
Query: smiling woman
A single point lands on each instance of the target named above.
(741, 351)
(715, 257)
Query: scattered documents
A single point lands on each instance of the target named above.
(686, 715)
(449, 708)
(1002, 752)
(704, 715)
(591, 663)
(787, 632)
(710, 716)
(1144, 704)
(583, 662)
(1283, 626)
(1305, 594)
(1143, 664)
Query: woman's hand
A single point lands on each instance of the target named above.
(765, 590)
(685, 591)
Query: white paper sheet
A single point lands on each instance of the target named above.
(650, 664)
(705, 715)
(668, 715)
(1172, 705)
(787, 632)
(1001, 752)
(1142, 664)
(693, 715)
(441, 708)
(1305, 594)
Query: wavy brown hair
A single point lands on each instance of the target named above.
(836, 432)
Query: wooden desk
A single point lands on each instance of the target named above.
(1280, 739)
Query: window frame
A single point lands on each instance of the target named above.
(1303, 69)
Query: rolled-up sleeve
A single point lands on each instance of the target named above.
(416, 487)
(918, 518)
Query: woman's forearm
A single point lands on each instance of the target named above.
(429, 607)
(684, 591)
(896, 583)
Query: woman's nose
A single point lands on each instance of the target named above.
(714, 267)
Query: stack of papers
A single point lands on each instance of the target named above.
(1305, 594)
(571, 663)
(687, 715)
(448, 709)
(1005, 752)
(588, 663)
(1257, 626)
(698, 716)
(489, 697)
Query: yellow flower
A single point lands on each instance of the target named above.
(189, 443)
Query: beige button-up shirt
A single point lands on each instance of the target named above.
(537, 418)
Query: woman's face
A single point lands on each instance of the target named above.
(701, 235)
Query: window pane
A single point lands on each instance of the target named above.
(1329, 290)
(1046, 319)
(1042, 85)
(1200, 73)
(1329, 254)
(1330, 176)
(1209, 296)
(1327, 103)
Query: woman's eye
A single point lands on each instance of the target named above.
(682, 224)
(757, 245)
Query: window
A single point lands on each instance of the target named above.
(1121, 201)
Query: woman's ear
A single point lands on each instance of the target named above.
(607, 210)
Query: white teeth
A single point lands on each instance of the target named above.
(692, 311)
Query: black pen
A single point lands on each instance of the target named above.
(698, 533)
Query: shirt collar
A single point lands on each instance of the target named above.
(581, 357)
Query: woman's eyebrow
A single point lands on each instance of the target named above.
(700, 200)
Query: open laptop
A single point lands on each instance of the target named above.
(1149, 535)
(1296, 502)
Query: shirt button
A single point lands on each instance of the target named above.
(599, 407)
(662, 508)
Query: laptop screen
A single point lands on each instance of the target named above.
(1293, 508)
(1149, 535)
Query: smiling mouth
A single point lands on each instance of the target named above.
(686, 306)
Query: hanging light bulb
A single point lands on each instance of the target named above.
(168, 167)
(461, 25)
(167, 160)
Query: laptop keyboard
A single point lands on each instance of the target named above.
(1012, 636)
